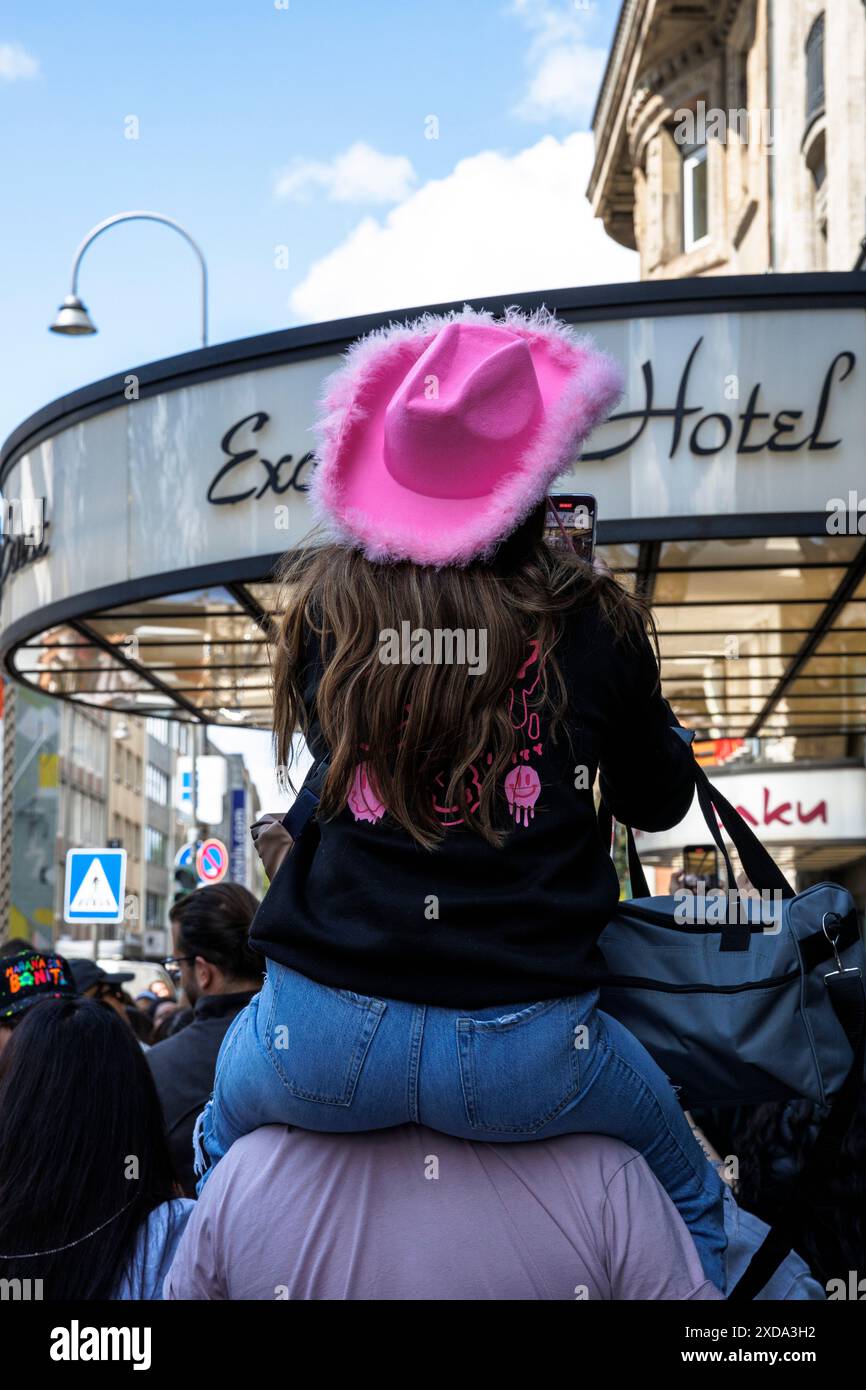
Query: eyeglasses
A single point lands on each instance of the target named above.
(173, 963)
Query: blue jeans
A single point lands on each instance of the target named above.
(330, 1060)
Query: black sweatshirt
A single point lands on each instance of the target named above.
(358, 905)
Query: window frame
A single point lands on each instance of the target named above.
(692, 157)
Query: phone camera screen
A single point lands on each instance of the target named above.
(570, 521)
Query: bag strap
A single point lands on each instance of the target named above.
(637, 877)
(302, 809)
(759, 866)
(847, 997)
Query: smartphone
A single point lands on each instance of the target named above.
(570, 521)
(701, 864)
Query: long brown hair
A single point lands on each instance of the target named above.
(420, 726)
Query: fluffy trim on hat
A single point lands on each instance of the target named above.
(594, 387)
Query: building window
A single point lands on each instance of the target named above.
(815, 69)
(741, 61)
(156, 785)
(154, 846)
(158, 729)
(816, 162)
(154, 910)
(695, 197)
(87, 748)
(180, 737)
(86, 819)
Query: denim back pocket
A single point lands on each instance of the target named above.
(317, 1038)
(521, 1069)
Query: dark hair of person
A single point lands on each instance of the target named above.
(420, 724)
(171, 1023)
(214, 923)
(82, 1143)
(772, 1145)
(140, 1023)
(12, 945)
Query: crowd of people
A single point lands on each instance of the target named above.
(97, 1190)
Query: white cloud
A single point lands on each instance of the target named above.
(564, 69)
(497, 224)
(16, 62)
(359, 175)
(565, 84)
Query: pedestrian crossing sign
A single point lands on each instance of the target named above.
(95, 884)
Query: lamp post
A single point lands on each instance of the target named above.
(73, 318)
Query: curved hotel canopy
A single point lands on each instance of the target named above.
(171, 490)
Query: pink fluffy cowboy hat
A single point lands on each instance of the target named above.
(438, 437)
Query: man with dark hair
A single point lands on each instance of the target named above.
(219, 974)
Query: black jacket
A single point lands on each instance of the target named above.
(358, 905)
(183, 1068)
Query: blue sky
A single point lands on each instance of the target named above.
(304, 128)
(293, 142)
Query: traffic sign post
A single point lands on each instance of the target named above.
(95, 886)
(185, 857)
(185, 874)
(212, 861)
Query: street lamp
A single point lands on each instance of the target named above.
(72, 317)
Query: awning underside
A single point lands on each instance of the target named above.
(759, 637)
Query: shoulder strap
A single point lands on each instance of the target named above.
(302, 809)
(761, 869)
(759, 866)
(637, 877)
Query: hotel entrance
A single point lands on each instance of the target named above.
(722, 495)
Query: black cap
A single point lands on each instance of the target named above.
(29, 976)
(87, 973)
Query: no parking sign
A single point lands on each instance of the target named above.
(212, 861)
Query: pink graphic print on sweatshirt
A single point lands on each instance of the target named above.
(522, 789)
(451, 815)
(522, 784)
(364, 800)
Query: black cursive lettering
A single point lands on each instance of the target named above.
(273, 481)
(784, 422)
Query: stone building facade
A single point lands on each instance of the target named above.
(731, 136)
